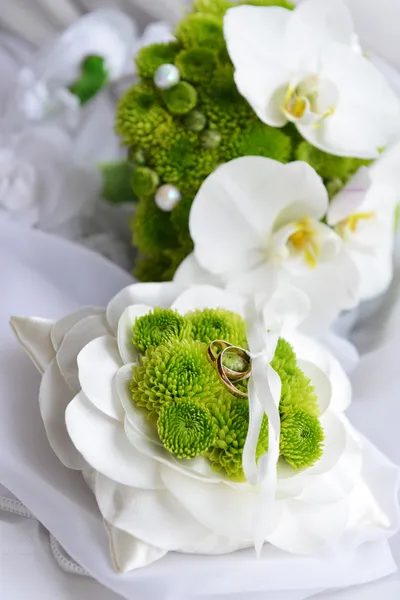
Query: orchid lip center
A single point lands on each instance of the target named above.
(303, 241)
(350, 224)
(310, 101)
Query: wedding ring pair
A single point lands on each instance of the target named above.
(228, 375)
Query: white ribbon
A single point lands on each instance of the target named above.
(264, 396)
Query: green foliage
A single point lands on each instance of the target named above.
(161, 326)
(151, 57)
(156, 232)
(301, 442)
(94, 76)
(117, 187)
(180, 99)
(282, 3)
(144, 181)
(186, 429)
(261, 140)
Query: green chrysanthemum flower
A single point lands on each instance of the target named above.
(172, 372)
(297, 390)
(186, 429)
(212, 324)
(161, 326)
(151, 57)
(232, 418)
(301, 442)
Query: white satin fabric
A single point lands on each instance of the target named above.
(49, 277)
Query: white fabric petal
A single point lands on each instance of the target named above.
(34, 336)
(308, 349)
(206, 296)
(130, 553)
(229, 510)
(338, 482)
(254, 38)
(145, 439)
(150, 294)
(190, 272)
(98, 364)
(343, 350)
(367, 108)
(74, 341)
(262, 280)
(102, 442)
(128, 352)
(62, 326)
(312, 26)
(54, 397)
(307, 528)
(320, 382)
(155, 517)
(335, 433)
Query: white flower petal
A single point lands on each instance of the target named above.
(375, 269)
(130, 553)
(239, 204)
(286, 310)
(154, 516)
(363, 119)
(351, 198)
(54, 397)
(74, 341)
(343, 350)
(34, 335)
(128, 352)
(98, 364)
(146, 441)
(262, 280)
(335, 433)
(190, 272)
(229, 512)
(313, 25)
(151, 294)
(66, 323)
(338, 482)
(207, 296)
(137, 417)
(308, 349)
(102, 442)
(338, 280)
(254, 38)
(306, 528)
(320, 382)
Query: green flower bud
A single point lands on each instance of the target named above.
(302, 436)
(161, 326)
(196, 64)
(180, 99)
(185, 429)
(212, 324)
(144, 181)
(150, 58)
(195, 121)
(211, 139)
(200, 30)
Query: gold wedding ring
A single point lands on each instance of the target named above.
(225, 373)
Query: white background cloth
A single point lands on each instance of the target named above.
(48, 277)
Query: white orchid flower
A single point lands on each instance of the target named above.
(304, 66)
(44, 88)
(363, 214)
(154, 502)
(256, 221)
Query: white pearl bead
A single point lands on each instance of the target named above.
(166, 76)
(167, 197)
